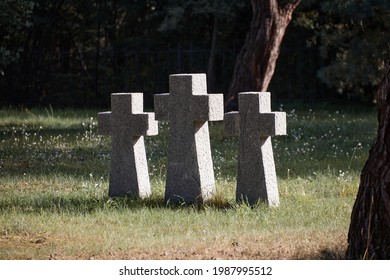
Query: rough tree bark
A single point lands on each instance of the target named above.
(255, 63)
(369, 231)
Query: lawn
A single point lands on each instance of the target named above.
(54, 184)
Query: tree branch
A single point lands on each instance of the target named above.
(291, 6)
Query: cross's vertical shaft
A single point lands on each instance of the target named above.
(255, 124)
(127, 124)
(188, 108)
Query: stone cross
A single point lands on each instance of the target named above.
(188, 108)
(255, 124)
(127, 124)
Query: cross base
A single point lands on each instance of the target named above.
(256, 178)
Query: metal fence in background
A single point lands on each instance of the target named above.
(75, 80)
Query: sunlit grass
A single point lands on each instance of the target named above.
(54, 202)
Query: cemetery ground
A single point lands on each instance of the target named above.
(54, 200)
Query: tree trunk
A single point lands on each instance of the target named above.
(210, 67)
(369, 231)
(97, 54)
(255, 64)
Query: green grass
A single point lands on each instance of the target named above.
(54, 203)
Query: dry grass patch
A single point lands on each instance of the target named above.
(315, 245)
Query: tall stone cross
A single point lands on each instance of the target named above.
(188, 108)
(255, 124)
(127, 124)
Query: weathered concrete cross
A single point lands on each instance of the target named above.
(127, 124)
(256, 176)
(188, 108)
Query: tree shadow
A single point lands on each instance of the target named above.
(89, 203)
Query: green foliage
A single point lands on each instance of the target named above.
(75, 53)
(353, 39)
(179, 13)
(199, 17)
(15, 19)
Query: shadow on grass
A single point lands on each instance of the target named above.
(55, 203)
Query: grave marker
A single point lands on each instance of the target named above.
(188, 108)
(128, 124)
(255, 124)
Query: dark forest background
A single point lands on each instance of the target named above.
(76, 53)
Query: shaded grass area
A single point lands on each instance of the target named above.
(54, 203)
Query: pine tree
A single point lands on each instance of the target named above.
(368, 236)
